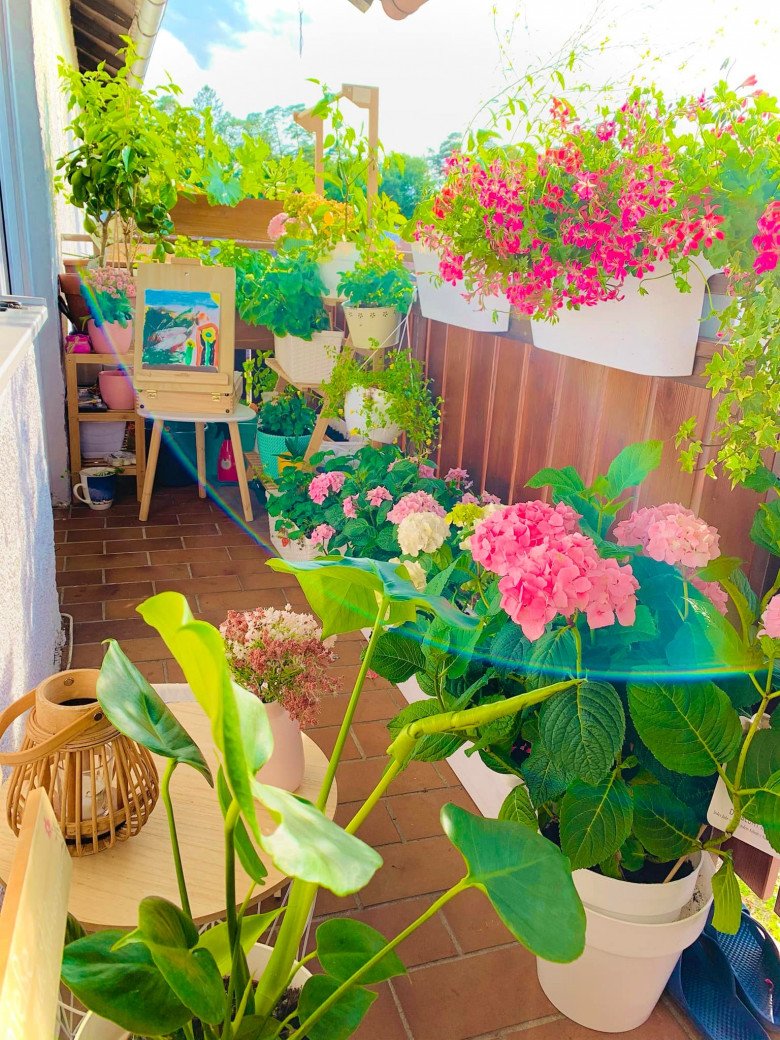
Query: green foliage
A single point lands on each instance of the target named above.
(287, 415)
(583, 729)
(379, 279)
(666, 826)
(595, 820)
(408, 404)
(344, 946)
(728, 902)
(284, 293)
(517, 807)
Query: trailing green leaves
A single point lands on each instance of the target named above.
(667, 827)
(525, 877)
(690, 728)
(583, 729)
(137, 710)
(595, 820)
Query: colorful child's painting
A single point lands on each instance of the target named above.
(181, 330)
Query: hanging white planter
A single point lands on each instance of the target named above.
(365, 413)
(440, 301)
(308, 362)
(342, 258)
(373, 328)
(653, 334)
(95, 1028)
(618, 980)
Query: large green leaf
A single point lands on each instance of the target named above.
(172, 939)
(239, 722)
(509, 649)
(123, 985)
(216, 939)
(525, 877)
(137, 710)
(397, 656)
(762, 758)
(517, 808)
(343, 593)
(766, 526)
(543, 777)
(309, 846)
(633, 465)
(727, 915)
(666, 826)
(340, 1021)
(762, 774)
(583, 729)
(595, 821)
(564, 481)
(553, 657)
(344, 946)
(690, 728)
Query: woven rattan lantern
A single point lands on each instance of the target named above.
(102, 785)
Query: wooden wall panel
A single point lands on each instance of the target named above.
(510, 374)
(580, 405)
(538, 417)
(455, 415)
(480, 391)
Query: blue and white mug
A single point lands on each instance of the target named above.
(96, 487)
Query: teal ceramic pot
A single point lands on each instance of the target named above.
(270, 447)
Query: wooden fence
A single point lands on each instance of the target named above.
(511, 409)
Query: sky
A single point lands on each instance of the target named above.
(436, 69)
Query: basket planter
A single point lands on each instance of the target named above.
(308, 362)
(270, 446)
(373, 328)
(95, 1028)
(629, 952)
(101, 439)
(440, 301)
(342, 258)
(285, 767)
(110, 337)
(652, 335)
(359, 424)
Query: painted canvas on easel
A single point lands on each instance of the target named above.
(181, 330)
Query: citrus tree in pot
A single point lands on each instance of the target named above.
(162, 978)
(284, 292)
(378, 292)
(619, 769)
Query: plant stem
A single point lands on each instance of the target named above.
(391, 771)
(272, 983)
(354, 979)
(354, 699)
(578, 646)
(231, 819)
(683, 858)
(165, 795)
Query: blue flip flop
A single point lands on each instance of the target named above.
(703, 985)
(753, 957)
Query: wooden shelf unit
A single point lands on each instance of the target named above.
(72, 361)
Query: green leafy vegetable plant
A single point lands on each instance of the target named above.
(379, 279)
(287, 415)
(162, 977)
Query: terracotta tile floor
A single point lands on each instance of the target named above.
(467, 979)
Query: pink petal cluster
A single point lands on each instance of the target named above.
(323, 484)
(280, 656)
(415, 502)
(322, 534)
(376, 496)
(767, 242)
(547, 568)
(349, 508)
(714, 592)
(671, 534)
(425, 471)
(458, 475)
(771, 619)
(276, 226)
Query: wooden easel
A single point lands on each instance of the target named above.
(32, 925)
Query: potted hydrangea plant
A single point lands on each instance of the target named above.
(109, 292)
(378, 292)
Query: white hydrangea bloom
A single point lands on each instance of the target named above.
(415, 572)
(422, 532)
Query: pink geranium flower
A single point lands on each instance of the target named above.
(276, 226)
(771, 619)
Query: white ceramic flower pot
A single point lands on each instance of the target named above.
(359, 424)
(286, 765)
(373, 328)
(342, 257)
(618, 980)
(308, 362)
(440, 301)
(296, 552)
(95, 1028)
(652, 335)
(629, 901)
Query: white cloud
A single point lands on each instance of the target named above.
(435, 68)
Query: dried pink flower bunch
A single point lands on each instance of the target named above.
(280, 655)
(547, 567)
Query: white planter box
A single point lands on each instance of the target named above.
(308, 362)
(446, 303)
(652, 335)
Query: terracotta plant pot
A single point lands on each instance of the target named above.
(285, 767)
(70, 287)
(116, 389)
(110, 337)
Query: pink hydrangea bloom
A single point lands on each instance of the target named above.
(509, 533)
(458, 475)
(348, 505)
(489, 500)
(714, 592)
(415, 502)
(376, 496)
(426, 471)
(771, 619)
(323, 484)
(276, 226)
(469, 500)
(322, 534)
(671, 534)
